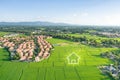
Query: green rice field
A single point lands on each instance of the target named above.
(56, 67)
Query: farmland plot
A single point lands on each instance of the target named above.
(56, 67)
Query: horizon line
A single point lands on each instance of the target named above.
(59, 23)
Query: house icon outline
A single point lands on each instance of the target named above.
(73, 59)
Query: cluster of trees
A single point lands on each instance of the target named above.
(53, 29)
(110, 43)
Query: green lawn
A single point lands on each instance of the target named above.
(56, 67)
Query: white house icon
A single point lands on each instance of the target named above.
(73, 59)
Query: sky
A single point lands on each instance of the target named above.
(83, 12)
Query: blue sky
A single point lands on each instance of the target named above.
(88, 12)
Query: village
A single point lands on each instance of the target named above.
(107, 34)
(112, 70)
(30, 48)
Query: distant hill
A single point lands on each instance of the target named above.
(36, 23)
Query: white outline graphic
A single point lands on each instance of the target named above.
(73, 61)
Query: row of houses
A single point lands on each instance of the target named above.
(7, 43)
(25, 50)
(25, 47)
(44, 47)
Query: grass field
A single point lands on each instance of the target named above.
(57, 67)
